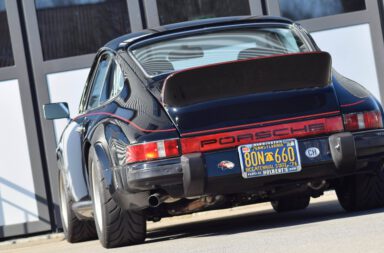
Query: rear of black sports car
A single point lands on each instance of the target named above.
(308, 141)
(276, 123)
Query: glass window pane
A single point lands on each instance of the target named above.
(203, 49)
(306, 9)
(6, 55)
(172, 11)
(75, 27)
(117, 81)
(99, 92)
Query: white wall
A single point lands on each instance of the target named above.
(17, 192)
(352, 54)
(66, 87)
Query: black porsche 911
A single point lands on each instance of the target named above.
(213, 114)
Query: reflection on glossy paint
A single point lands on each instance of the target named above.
(306, 9)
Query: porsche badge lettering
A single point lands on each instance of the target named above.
(283, 132)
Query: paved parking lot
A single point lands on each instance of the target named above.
(323, 227)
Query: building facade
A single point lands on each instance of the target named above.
(47, 47)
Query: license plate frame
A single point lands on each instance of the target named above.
(269, 167)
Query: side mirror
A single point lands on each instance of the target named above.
(56, 111)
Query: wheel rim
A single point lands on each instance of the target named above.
(63, 204)
(96, 200)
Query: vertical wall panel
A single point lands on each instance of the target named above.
(24, 202)
(17, 191)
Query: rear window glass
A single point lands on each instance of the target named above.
(203, 49)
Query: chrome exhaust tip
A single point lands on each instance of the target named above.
(156, 200)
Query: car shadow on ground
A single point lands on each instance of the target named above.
(258, 220)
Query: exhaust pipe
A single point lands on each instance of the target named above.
(317, 185)
(156, 199)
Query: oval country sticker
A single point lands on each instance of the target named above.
(312, 152)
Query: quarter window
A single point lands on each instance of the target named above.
(117, 80)
(99, 87)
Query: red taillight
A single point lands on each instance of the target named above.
(152, 150)
(363, 120)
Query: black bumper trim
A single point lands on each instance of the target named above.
(193, 174)
(150, 175)
(369, 143)
(343, 150)
(185, 176)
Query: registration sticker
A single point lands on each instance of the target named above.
(269, 158)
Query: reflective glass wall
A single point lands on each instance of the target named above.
(6, 56)
(307, 9)
(172, 11)
(76, 27)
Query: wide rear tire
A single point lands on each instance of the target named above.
(115, 226)
(75, 230)
(362, 192)
(291, 203)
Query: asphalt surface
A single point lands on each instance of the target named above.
(322, 227)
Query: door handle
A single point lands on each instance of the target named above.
(80, 129)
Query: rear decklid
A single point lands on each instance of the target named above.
(249, 93)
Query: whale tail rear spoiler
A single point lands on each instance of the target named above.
(257, 75)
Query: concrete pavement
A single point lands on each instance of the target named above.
(323, 227)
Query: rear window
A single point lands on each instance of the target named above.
(203, 49)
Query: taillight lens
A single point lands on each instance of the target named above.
(363, 120)
(152, 150)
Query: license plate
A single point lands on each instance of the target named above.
(269, 158)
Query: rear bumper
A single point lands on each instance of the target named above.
(196, 174)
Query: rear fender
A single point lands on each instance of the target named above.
(126, 200)
(352, 96)
(105, 168)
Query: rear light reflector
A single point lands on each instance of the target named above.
(363, 120)
(152, 150)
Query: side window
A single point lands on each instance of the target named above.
(99, 91)
(117, 80)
